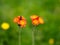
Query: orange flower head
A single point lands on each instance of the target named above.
(41, 21)
(22, 23)
(23, 18)
(34, 17)
(16, 20)
(35, 22)
(18, 17)
(20, 20)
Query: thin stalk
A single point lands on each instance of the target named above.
(33, 36)
(20, 36)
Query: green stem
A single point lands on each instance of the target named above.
(33, 36)
(33, 39)
(20, 36)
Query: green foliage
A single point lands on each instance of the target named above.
(48, 9)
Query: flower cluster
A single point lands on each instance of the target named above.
(36, 20)
(20, 20)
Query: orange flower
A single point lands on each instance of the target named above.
(20, 20)
(22, 23)
(34, 17)
(41, 21)
(36, 20)
(23, 18)
(16, 20)
(18, 17)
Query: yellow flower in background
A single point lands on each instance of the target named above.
(5, 26)
(51, 41)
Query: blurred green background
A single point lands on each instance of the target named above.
(49, 10)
